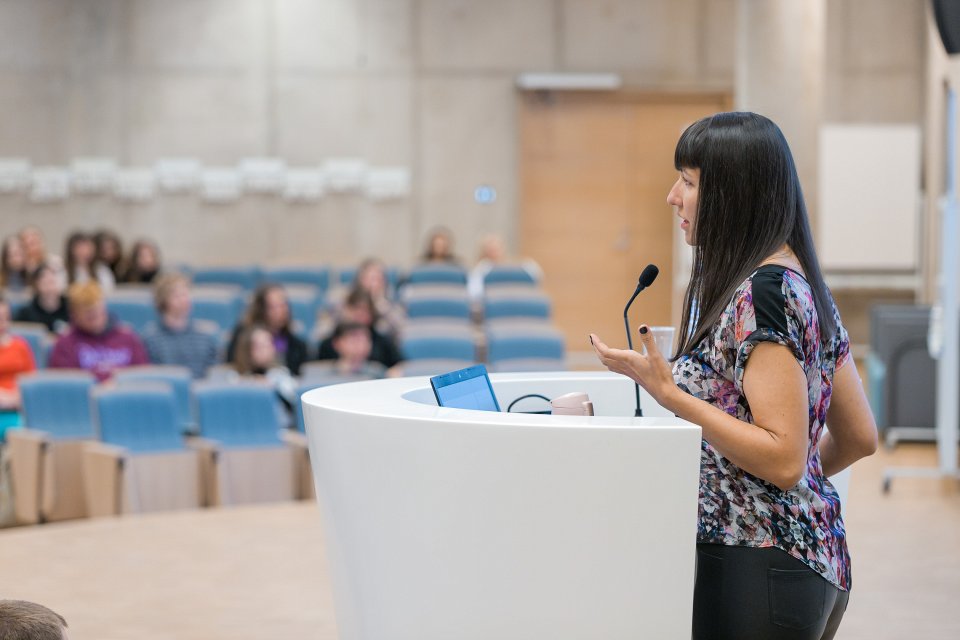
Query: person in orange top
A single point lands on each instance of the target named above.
(15, 358)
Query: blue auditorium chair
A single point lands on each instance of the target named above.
(315, 276)
(179, 378)
(435, 308)
(512, 275)
(433, 347)
(134, 311)
(509, 350)
(247, 277)
(437, 274)
(38, 337)
(46, 454)
(241, 426)
(223, 306)
(534, 306)
(141, 462)
(305, 303)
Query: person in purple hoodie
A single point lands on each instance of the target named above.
(94, 342)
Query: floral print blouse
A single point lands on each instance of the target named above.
(774, 304)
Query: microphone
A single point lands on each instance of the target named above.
(649, 274)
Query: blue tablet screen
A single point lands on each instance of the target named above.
(468, 388)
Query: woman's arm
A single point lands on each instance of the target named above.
(852, 430)
(774, 448)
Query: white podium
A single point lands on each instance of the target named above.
(451, 524)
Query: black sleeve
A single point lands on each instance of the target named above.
(326, 351)
(769, 303)
(296, 353)
(232, 345)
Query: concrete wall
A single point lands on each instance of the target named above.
(427, 84)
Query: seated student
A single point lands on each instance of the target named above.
(82, 263)
(352, 345)
(175, 338)
(35, 248)
(22, 620)
(439, 248)
(144, 263)
(255, 355)
(110, 252)
(13, 265)
(493, 253)
(15, 358)
(358, 308)
(49, 305)
(95, 342)
(270, 309)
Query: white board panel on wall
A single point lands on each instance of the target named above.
(869, 197)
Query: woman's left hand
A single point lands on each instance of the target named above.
(651, 371)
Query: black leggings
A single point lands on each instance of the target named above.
(746, 593)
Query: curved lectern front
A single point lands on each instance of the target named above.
(451, 524)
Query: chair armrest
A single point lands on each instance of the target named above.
(103, 469)
(26, 448)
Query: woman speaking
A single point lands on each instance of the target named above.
(762, 365)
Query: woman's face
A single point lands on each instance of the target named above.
(83, 251)
(439, 246)
(109, 249)
(373, 279)
(277, 311)
(15, 255)
(47, 283)
(262, 351)
(146, 258)
(684, 196)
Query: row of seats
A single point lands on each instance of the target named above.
(249, 276)
(89, 449)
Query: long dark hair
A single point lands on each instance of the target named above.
(749, 205)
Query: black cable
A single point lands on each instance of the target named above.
(529, 395)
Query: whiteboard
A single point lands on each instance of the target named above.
(869, 197)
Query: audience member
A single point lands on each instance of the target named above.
(15, 358)
(110, 252)
(270, 309)
(439, 249)
(175, 338)
(36, 254)
(493, 253)
(94, 342)
(82, 263)
(13, 265)
(256, 355)
(359, 309)
(21, 620)
(352, 344)
(144, 262)
(49, 305)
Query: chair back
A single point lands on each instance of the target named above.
(238, 414)
(179, 379)
(138, 312)
(37, 337)
(247, 277)
(440, 346)
(58, 401)
(316, 276)
(140, 417)
(438, 274)
(508, 275)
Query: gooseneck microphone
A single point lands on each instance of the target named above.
(649, 274)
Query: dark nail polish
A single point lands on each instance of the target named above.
(589, 337)
(643, 330)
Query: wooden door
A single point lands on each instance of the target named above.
(595, 170)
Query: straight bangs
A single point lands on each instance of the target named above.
(690, 148)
